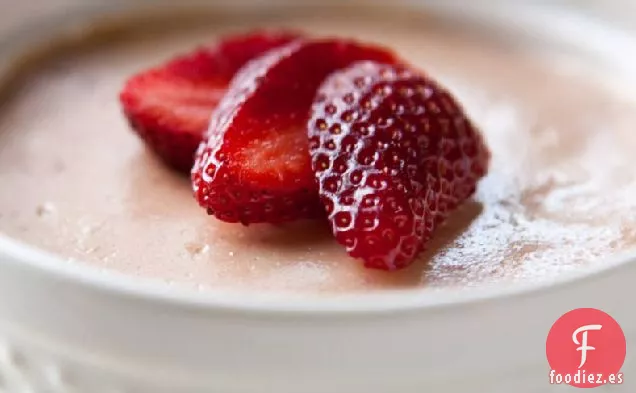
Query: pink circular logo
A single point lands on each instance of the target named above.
(586, 348)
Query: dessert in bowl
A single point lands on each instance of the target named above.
(78, 183)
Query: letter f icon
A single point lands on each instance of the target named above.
(583, 344)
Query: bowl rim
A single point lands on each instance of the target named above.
(32, 260)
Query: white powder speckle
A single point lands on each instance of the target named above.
(45, 209)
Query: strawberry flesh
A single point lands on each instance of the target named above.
(255, 166)
(394, 154)
(170, 106)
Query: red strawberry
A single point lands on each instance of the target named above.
(170, 106)
(255, 167)
(394, 154)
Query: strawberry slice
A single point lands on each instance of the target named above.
(255, 167)
(394, 154)
(170, 106)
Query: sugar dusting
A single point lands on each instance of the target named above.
(553, 221)
(45, 209)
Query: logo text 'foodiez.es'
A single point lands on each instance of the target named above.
(586, 348)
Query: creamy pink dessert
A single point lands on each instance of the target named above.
(559, 194)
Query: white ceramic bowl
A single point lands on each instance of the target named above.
(70, 328)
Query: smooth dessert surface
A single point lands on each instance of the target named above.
(561, 192)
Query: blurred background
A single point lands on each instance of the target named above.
(15, 12)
